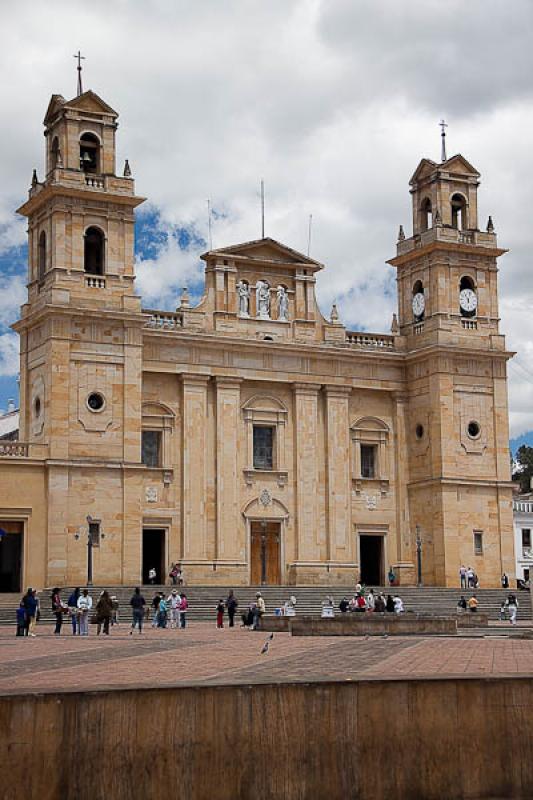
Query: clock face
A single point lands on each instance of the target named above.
(468, 300)
(419, 304)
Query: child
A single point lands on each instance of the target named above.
(220, 614)
(21, 619)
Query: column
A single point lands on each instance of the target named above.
(194, 466)
(306, 448)
(338, 473)
(230, 533)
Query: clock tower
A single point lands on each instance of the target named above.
(458, 438)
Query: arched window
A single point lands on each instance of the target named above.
(89, 153)
(467, 283)
(94, 251)
(42, 256)
(426, 215)
(458, 212)
(54, 153)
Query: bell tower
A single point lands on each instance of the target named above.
(80, 329)
(458, 431)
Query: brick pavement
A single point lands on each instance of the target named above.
(202, 654)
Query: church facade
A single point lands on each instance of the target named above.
(249, 437)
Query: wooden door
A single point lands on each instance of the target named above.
(265, 554)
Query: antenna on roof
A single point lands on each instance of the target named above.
(80, 58)
(262, 209)
(309, 235)
(209, 224)
(443, 127)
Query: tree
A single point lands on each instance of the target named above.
(524, 471)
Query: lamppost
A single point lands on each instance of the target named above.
(93, 534)
(418, 556)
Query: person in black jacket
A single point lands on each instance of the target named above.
(232, 605)
(137, 604)
(390, 603)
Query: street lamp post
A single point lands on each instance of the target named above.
(418, 556)
(93, 534)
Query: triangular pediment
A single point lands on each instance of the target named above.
(57, 102)
(266, 249)
(89, 101)
(458, 163)
(425, 168)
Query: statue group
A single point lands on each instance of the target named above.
(262, 300)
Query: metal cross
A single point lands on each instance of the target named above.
(443, 125)
(80, 58)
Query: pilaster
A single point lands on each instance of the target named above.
(307, 488)
(194, 465)
(230, 533)
(338, 473)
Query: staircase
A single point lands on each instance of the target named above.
(203, 599)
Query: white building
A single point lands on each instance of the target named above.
(523, 526)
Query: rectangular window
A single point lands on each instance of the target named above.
(526, 539)
(478, 543)
(263, 447)
(368, 460)
(94, 533)
(151, 448)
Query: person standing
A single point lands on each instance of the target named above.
(470, 577)
(58, 609)
(85, 603)
(104, 610)
(173, 602)
(173, 574)
(137, 604)
(462, 576)
(21, 619)
(162, 613)
(152, 575)
(155, 608)
(72, 604)
(231, 605)
(31, 605)
(184, 607)
(512, 605)
(259, 610)
(220, 614)
(391, 576)
(505, 581)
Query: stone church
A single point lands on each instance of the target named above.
(250, 437)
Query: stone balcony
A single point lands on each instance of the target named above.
(447, 235)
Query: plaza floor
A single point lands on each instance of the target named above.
(201, 654)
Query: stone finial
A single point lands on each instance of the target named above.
(401, 234)
(490, 225)
(437, 219)
(334, 314)
(127, 169)
(185, 301)
(34, 180)
(394, 328)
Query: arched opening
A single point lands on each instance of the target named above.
(426, 215)
(54, 152)
(89, 153)
(418, 301)
(467, 283)
(41, 261)
(459, 212)
(467, 297)
(93, 262)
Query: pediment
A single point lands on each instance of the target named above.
(458, 163)
(56, 103)
(89, 101)
(424, 169)
(268, 250)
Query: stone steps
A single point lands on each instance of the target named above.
(203, 599)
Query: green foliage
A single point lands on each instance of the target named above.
(524, 457)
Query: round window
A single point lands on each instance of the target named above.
(37, 406)
(473, 429)
(95, 401)
(419, 431)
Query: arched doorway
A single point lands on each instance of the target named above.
(266, 520)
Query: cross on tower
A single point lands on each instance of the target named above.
(80, 58)
(443, 125)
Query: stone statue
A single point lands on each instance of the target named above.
(262, 299)
(283, 304)
(244, 299)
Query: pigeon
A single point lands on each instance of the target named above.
(266, 645)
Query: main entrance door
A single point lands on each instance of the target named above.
(154, 554)
(11, 549)
(265, 553)
(371, 559)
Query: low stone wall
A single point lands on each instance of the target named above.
(470, 620)
(385, 740)
(354, 624)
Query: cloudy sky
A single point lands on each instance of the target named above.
(332, 102)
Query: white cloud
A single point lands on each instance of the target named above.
(332, 102)
(9, 354)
